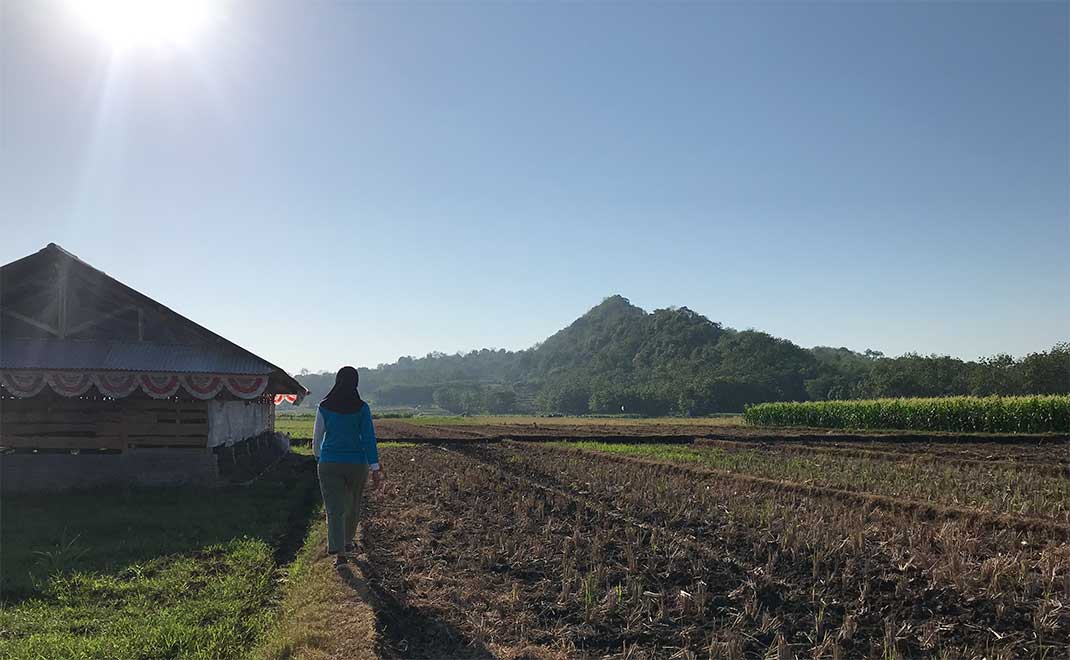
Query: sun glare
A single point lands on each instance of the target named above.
(131, 23)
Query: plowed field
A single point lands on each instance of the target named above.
(533, 550)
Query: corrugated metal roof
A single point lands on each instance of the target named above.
(127, 356)
(206, 352)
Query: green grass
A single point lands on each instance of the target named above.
(145, 573)
(206, 606)
(300, 426)
(1013, 414)
(1000, 489)
(528, 420)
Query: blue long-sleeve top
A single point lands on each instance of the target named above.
(345, 437)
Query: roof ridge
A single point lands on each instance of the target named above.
(64, 252)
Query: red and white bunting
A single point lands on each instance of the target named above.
(117, 385)
(120, 384)
(70, 383)
(160, 386)
(23, 384)
(203, 386)
(246, 387)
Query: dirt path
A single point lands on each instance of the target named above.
(322, 617)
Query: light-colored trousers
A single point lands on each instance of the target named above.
(342, 487)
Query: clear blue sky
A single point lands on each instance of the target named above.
(330, 182)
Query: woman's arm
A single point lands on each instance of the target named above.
(317, 434)
(371, 445)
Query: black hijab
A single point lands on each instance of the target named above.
(344, 397)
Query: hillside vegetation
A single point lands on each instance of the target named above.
(617, 358)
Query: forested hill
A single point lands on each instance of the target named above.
(617, 357)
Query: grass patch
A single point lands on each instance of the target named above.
(147, 573)
(671, 452)
(298, 426)
(527, 420)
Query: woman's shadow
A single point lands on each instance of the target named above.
(405, 631)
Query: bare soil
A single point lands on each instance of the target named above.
(526, 551)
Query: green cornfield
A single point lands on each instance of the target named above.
(968, 414)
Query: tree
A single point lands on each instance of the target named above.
(501, 401)
(1047, 372)
(676, 361)
(568, 396)
(460, 398)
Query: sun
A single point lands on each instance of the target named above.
(133, 23)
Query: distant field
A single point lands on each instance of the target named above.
(300, 426)
(148, 573)
(485, 420)
(1003, 487)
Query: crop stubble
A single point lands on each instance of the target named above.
(531, 551)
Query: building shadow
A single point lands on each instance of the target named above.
(105, 530)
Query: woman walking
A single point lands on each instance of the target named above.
(344, 445)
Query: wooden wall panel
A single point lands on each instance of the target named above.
(86, 424)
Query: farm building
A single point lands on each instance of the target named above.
(101, 384)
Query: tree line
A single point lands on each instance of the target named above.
(617, 358)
